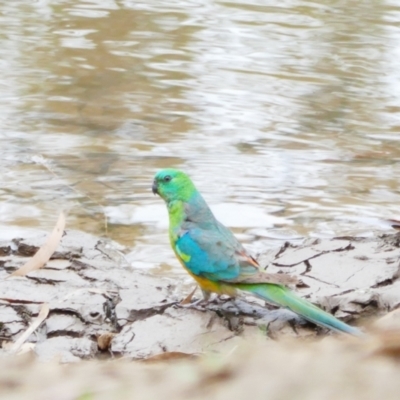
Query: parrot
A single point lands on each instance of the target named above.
(218, 262)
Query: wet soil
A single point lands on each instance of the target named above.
(100, 306)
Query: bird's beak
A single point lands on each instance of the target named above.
(154, 187)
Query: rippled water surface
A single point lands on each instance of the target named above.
(286, 114)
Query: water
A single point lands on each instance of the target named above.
(286, 115)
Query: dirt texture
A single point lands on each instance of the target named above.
(101, 307)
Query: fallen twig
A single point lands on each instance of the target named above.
(46, 251)
(44, 312)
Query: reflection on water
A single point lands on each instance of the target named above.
(285, 114)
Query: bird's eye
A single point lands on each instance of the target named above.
(167, 178)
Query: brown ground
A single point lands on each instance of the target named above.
(101, 309)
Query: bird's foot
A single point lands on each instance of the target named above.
(199, 304)
(207, 303)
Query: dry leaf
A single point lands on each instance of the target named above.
(395, 223)
(46, 251)
(188, 298)
(386, 342)
(44, 312)
(104, 340)
(170, 356)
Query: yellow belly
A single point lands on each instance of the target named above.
(208, 285)
(204, 283)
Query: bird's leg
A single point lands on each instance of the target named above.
(200, 302)
(206, 295)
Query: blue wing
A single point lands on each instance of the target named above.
(214, 254)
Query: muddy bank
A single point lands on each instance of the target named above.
(99, 306)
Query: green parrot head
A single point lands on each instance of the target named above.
(172, 185)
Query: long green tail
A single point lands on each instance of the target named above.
(284, 297)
